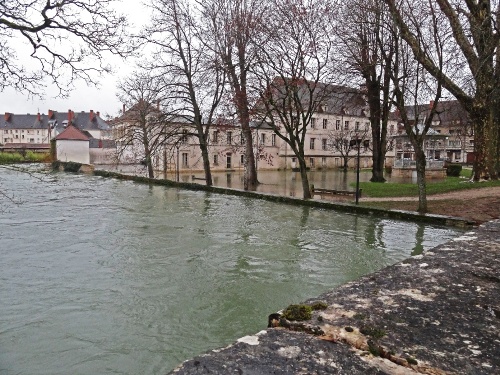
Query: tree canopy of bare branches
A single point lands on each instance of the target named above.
(295, 59)
(231, 26)
(367, 47)
(191, 71)
(57, 42)
(471, 71)
(149, 123)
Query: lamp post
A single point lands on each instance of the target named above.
(358, 144)
(177, 164)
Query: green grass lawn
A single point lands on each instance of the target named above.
(380, 190)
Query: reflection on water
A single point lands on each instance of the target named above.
(106, 276)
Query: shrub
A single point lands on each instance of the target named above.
(8, 157)
(453, 170)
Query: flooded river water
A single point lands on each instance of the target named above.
(104, 276)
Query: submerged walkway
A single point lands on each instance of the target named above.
(438, 313)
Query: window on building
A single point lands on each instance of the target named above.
(216, 159)
(22, 136)
(184, 137)
(323, 162)
(294, 160)
(215, 136)
(5, 140)
(311, 143)
(16, 136)
(229, 137)
(323, 144)
(185, 160)
(273, 139)
(325, 123)
(366, 144)
(337, 124)
(263, 138)
(311, 162)
(346, 125)
(32, 140)
(367, 126)
(242, 139)
(313, 123)
(356, 126)
(242, 158)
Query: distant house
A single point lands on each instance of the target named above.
(450, 138)
(34, 132)
(73, 145)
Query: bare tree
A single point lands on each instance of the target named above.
(192, 73)
(145, 125)
(66, 40)
(412, 84)
(368, 51)
(295, 49)
(473, 72)
(232, 24)
(345, 143)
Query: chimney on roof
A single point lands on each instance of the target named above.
(7, 116)
(91, 115)
(98, 114)
(38, 117)
(51, 114)
(431, 104)
(71, 116)
(123, 110)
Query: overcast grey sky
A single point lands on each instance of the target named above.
(83, 98)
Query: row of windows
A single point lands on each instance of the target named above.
(346, 125)
(30, 140)
(324, 143)
(16, 131)
(229, 138)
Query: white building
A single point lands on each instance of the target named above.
(73, 145)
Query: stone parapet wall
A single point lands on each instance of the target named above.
(437, 313)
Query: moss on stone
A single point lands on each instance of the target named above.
(319, 305)
(298, 312)
(375, 332)
(411, 361)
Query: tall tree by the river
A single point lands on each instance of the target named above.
(296, 54)
(413, 85)
(472, 73)
(192, 73)
(231, 26)
(144, 123)
(367, 49)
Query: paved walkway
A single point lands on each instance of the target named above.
(438, 313)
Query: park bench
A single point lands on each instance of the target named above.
(321, 192)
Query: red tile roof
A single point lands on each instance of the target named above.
(72, 133)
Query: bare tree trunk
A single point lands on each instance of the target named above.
(206, 161)
(305, 179)
(422, 192)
